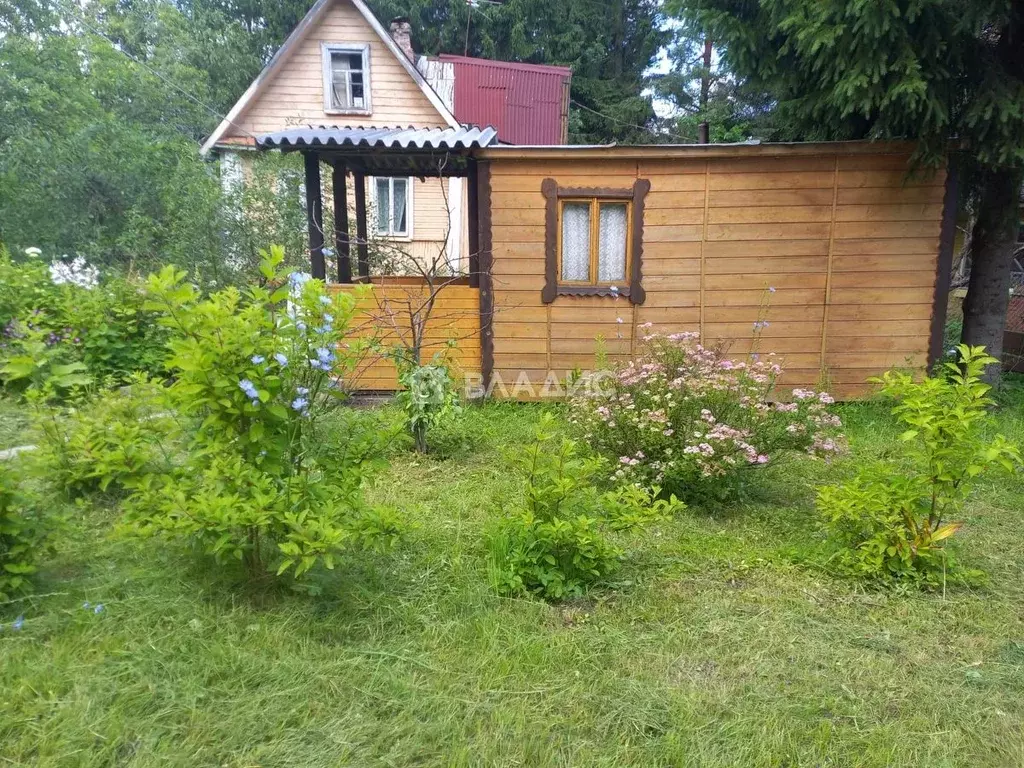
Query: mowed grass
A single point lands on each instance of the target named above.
(721, 643)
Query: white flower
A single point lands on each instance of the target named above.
(78, 272)
(33, 251)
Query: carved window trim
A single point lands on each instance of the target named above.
(553, 193)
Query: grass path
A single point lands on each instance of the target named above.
(717, 648)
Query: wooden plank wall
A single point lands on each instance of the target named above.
(455, 318)
(848, 243)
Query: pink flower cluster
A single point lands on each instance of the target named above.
(682, 413)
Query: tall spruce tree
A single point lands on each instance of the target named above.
(932, 70)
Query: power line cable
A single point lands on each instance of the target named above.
(644, 128)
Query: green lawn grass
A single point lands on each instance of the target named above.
(720, 645)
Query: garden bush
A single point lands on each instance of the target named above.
(24, 536)
(892, 521)
(259, 371)
(63, 314)
(427, 396)
(690, 420)
(106, 442)
(557, 543)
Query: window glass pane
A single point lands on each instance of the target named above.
(401, 187)
(356, 77)
(576, 241)
(383, 206)
(611, 250)
(340, 74)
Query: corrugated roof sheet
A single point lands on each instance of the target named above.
(527, 103)
(379, 138)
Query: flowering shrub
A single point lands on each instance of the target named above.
(691, 420)
(98, 327)
(259, 371)
(557, 543)
(891, 522)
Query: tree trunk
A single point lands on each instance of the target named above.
(993, 238)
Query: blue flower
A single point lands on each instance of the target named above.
(325, 355)
(302, 390)
(257, 359)
(18, 623)
(771, 289)
(281, 359)
(85, 605)
(301, 326)
(325, 328)
(300, 404)
(325, 300)
(249, 388)
(98, 608)
(298, 279)
(328, 318)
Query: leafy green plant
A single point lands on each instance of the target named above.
(105, 443)
(892, 522)
(427, 396)
(42, 370)
(556, 544)
(23, 536)
(259, 371)
(63, 321)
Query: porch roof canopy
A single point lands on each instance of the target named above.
(386, 151)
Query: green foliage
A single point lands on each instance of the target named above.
(108, 443)
(427, 396)
(845, 69)
(892, 522)
(38, 369)
(259, 371)
(59, 334)
(23, 536)
(556, 545)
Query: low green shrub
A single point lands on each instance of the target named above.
(24, 537)
(106, 443)
(557, 544)
(427, 396)
(690, 420)
(892, 521)
(259, 371)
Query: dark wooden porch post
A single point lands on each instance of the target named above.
(341, 242)
(315, 215)
(364, 258)
(472, 192)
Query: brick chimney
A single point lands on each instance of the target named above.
(401, 33)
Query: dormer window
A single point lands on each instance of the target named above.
(346, 78)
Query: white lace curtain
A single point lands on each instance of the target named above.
(576, 242)
(611, 256)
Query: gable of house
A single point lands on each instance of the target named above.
(290, 91)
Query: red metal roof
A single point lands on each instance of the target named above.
(527, 103)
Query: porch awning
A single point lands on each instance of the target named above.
(408, 139)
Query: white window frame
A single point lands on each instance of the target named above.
(409, 195)
(326, 49)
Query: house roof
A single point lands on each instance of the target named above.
(527, 103)
(303, 28)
